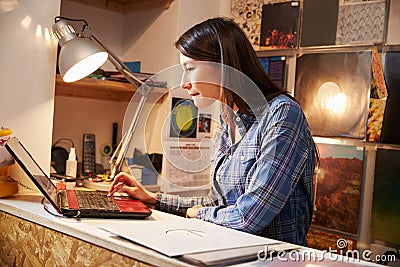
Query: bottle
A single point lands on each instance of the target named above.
(7, 186)
(72, 164)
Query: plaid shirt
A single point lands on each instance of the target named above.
(263, 183)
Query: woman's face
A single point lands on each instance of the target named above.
(202, 80)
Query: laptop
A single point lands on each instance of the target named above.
(76, 203)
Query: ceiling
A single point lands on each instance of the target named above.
(125, 6)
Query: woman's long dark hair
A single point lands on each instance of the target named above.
(221, 40)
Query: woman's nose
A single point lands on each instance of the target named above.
(186, 85)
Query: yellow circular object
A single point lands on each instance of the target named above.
(5, 131)
(184, 117)
(7, 188)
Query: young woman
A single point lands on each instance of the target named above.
(263, 178)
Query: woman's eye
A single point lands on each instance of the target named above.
(189, 69)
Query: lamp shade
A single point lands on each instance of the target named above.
(79, 57)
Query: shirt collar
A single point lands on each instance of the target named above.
(243, 121)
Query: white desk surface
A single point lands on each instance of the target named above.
(28, 207)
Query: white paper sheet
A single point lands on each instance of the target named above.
(183, 236)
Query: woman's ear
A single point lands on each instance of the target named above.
(221, 94)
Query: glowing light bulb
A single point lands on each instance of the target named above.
(331, 98)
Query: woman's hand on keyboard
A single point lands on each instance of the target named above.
(128, 184)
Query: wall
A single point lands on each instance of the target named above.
(155, 46)
(198, 12)
(75, 116)
(153, 43)
(27, 71)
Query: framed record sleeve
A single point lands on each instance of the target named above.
(338, 183)
(333, 90)
(280, 25)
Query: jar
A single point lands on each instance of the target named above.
(8, 186)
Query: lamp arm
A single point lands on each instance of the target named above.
(144, 89)
(119, 65)
(118, 156)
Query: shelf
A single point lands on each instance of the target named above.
(126, 6)
(325, 49)
(355, 142)
(95, 89)
(318, 49)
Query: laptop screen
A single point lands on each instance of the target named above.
(30, 166)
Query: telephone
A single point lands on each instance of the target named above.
(89, 154)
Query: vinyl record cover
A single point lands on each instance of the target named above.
(319, 22)
(333, 89)
(391, 126)
(247, 14)
(377, 101)
(385, 204)
(393, 35)
(338, 187)
(377, 74)
(275, 67)
(375, 119)
(349, 2)
(280, 25)
(361, 22)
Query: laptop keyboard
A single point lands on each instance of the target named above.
(95, 200)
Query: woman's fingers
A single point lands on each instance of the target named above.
(128, 184)
(115, 188)
(118, 178)
(192, 212)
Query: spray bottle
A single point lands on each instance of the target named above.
(72, 164)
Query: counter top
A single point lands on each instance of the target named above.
(28, 207)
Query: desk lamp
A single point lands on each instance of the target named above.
(80, 55)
